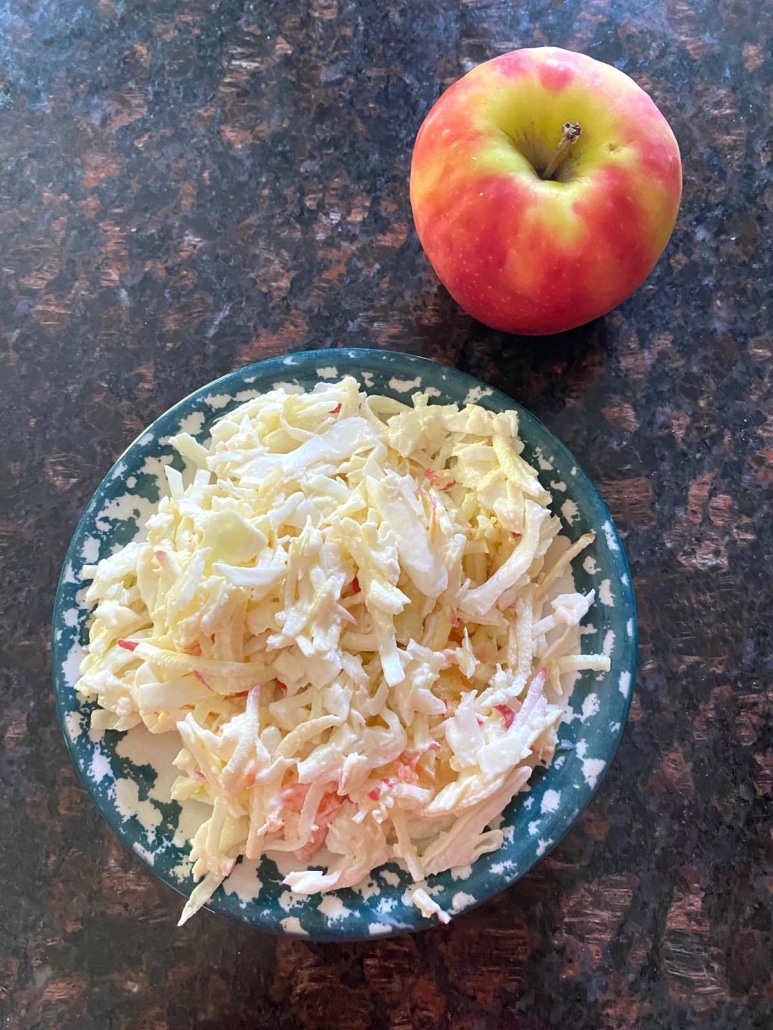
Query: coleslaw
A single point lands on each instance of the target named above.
(358, 616)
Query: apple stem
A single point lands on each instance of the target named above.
(570, 133)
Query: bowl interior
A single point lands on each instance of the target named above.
(129, 775)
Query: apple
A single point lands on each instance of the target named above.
(544, 186)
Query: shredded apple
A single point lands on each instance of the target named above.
(347, 609)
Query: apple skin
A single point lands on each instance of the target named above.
(533, 256)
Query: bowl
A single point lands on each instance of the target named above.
(129, 775)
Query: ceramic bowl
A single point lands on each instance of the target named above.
(129, 781)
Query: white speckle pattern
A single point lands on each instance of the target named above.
(288, 901)
(606, 596)
(592, 769)
(477, 393)
(390, 878)
(126, 507)
(590, 707)
(244, 882)
(192, 816)
(128, 804)
(217, 400)
(247, 395)
(532, 828)
(329, 372)
(192, 423)
(558, 485)
(461, 872)
(154, 467)
(542, 846)
(590, 566)
(368, 889)
(141, 747)
(461, 901)
(404, 385)
(99, 767)
(550, 801)
(377, 929)
(73, 724)
(624, 684)
(333, 908)
(503, 868)
(609, 534)
(90, 550)
(293, 925)
(570, 512)
(609, 642)
(385, 905)
(543, 462)
(144, 854)
(182, 871)
(629, 629)
(96, 736)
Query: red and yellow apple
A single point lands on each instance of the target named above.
(545, 186)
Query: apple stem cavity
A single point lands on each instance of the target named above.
(570, 133)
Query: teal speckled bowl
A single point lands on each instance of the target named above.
(130, 793)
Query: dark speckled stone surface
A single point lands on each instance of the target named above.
(186, 187)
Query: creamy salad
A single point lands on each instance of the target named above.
(358, 618)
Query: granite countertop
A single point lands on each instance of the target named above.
(187, 187)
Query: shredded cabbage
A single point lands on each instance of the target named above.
(348, 610)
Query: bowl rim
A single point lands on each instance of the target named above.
(362, 359)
